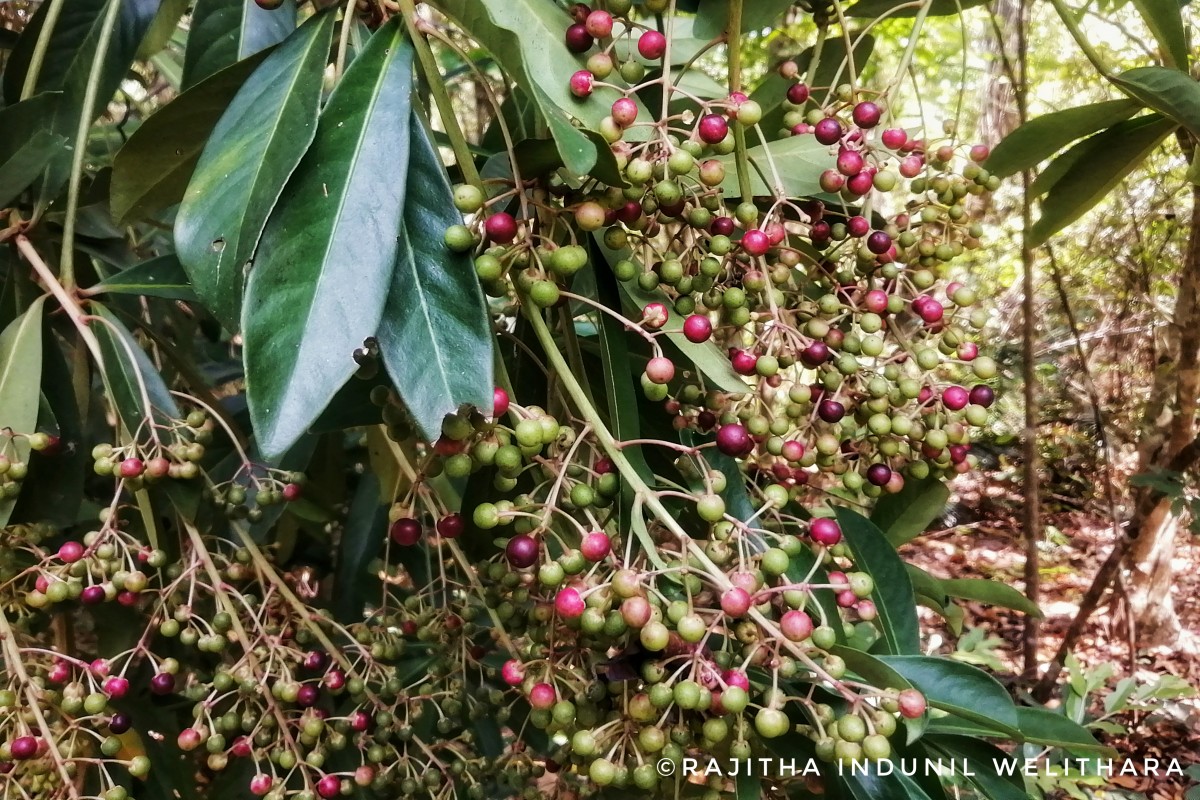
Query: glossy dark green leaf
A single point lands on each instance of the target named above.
(526, 39)
(361, 540)
(874, 780)
(894, 596)
(1048, 728)
(1168, 91)
(67, 65)
(984, 759)
(128, 370)
(908, 513)
(165, 23)
(1165, 21)
(248, 159)
(1042, 137)
(991, 592)
(20, 171)
(880, 674)
(157, 277)
(900, 9)
(793, 165)
(1092, 168)
(20, 387)
(223, 32)
(152, 169)
(320, 279)
(959, 689)
(436, 334)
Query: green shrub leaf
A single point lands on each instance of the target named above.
(894, 596)
(959, 689)
(798, 161)
(991, 592)
(255, 147)
(436, 336)
(127, 369)
(320, 279)
(908, 513)
(158, 277)
(1170, 92)
(20, 386)
(223, 32)
(1043, 136)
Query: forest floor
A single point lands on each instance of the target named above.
(1075, 544)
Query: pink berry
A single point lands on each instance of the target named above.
(542, 696)
(513, 672)
(736, 602)
(568, 603)
(624, 113)
(912, 704)
(968, 351)
(652, 45)
(735, 677)
(858, 226)
(850, 162)
(260, 785)
(660, 370)
(697, 328)
(866, 114)
(910, 166)
(793, 450)
(796, 625)
(876, 301)
(595, 546)
(655, 315)
(131, 468)
(755, 242)
(329, 787)
(979, 153)
(581, 83)
(825, 531)
(712, 129)
(70, 552)
(599, 24)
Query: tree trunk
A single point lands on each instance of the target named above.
(1152, 573)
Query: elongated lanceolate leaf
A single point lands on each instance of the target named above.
(1042, 137)
(959, 689)
(128, 370)
(1164, 18)
(1172, 93)
(157, 277)
(226, 31)
(906, 514)
(252, 151)
(436, 336)
(894, 596)
(20, 387)
(798, 161)
(27, 163)
(151, 171)
(320, 279)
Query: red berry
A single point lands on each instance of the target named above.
(734, 440)
(955, 398)
(500, 227)
(405, 531)
(879, 243)
(879, 474)
(828, 131)
(568, 603)
(815, 354)
(876, 301)
(92, 595)
(744, 362)
(912, 704)
(652, 45)
(260, 785)
(522, 551)
(581, 83)
(292, 492)
(825, 531)
(982, 395)
(131, 468)
(712, 129)
(578, 39)
(162, 683)
(831, 411)
(329, 787)
(116, 686)
(697, 328)
(797, 93)
(721, 226)
(307, 696)
(595, 546)
(850, 162)
(735, 677)
(979, 153)
(894, 138)
(858, 185)
(23, 748)
(755, 242)
(866, 114)
(70, 552)
(500, 402)
(451, 526)
(910, 166)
